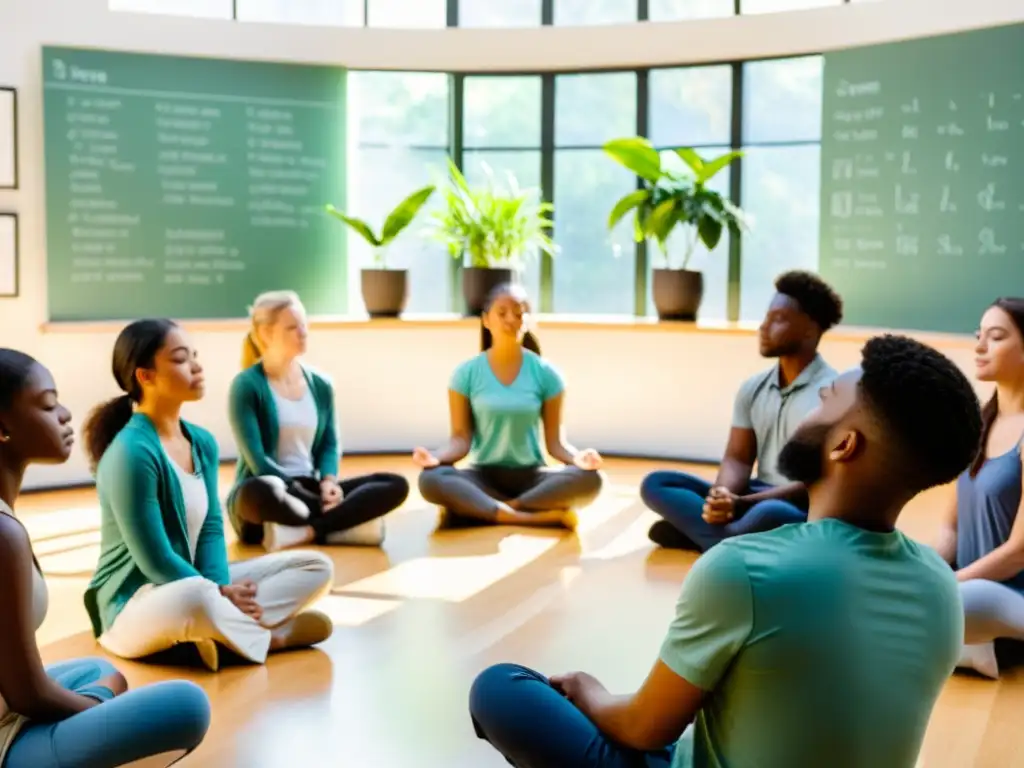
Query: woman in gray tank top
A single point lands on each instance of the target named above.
(78, 713)
(983, 535)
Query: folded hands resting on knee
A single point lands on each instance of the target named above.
(243, 595)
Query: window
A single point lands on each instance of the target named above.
(506, 13)
(781, 174)
(593, 108)
(782, 100)
(501, 135)
(502, 111)
(410, 14)
(691, 107)
(399, 143)
(677, 10)
(206, 9)
(773, 6)
(594, 271)
(781, 187)
(339, 13)
(587, 12)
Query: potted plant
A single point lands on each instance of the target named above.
(668, 199)
(385, 290)
(493, 230)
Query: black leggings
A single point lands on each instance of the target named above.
(474, 492)
(263, 500)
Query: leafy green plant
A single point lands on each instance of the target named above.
(668, 198)
(395, 223)
(489, 226)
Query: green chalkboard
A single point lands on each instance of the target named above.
(922, 178)
(183, 187)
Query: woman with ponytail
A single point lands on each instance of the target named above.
(287, 491)
(78, 712)
(983, 532)
(163, 576)
(498, 401)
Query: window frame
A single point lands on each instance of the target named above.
(457, 149)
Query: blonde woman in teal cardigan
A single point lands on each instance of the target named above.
(287, 491)
(163, 576)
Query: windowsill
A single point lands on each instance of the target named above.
(412, 322)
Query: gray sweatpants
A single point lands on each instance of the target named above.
(473, 492)
(992, 611)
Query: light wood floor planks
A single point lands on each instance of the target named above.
(417, 620)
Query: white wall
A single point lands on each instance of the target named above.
(643, 391)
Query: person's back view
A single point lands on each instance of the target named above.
(848, 636)
(822, 644)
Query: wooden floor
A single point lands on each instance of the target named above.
(417, 620)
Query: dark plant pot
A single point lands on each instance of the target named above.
(677, 293)
(384, 291)
(477, 282)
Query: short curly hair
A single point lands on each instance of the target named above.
(816, 298)
(926, 405)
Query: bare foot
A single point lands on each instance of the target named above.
(553, 518)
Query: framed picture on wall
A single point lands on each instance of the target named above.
(8, 255)
(8, 138)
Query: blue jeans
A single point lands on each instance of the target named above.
(164, 718)
(533, 726)
(679, 498)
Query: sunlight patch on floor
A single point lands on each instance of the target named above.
(610, 503)
(517, 616)
(633, 539)
(347, 611)
(455, 579)
(61, 522)
(74, 562)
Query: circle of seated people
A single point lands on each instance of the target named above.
(803, 566)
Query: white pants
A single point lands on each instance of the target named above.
(193, 610)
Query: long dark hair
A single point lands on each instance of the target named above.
(1014, 307)
(136, 347)
(518, 293)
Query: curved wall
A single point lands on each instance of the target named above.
(634, 387)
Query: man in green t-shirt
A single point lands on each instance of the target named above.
(818, 644)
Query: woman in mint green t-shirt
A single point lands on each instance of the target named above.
(499, 400)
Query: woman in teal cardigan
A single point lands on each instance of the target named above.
(287, 491)
(163, 576)
(78, 712)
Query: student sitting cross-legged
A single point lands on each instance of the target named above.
(163, 576)
(698, 514)
(287, 491)
(498, 401)
(824, 643)
(982, 535)
(77, 713)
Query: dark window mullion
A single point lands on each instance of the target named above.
(736, 192)
(642, 129)
(547, 182)
(457, 101)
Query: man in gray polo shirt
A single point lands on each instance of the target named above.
(768, 408)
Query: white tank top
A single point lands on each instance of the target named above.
(10, 722)
(296, 429)
(197, 503)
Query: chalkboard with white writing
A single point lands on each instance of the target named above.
(183, 187)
